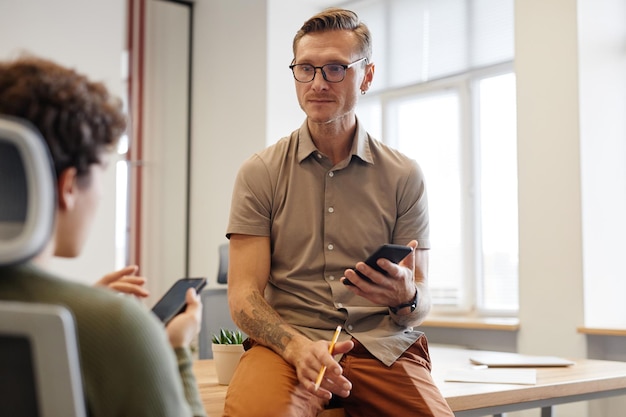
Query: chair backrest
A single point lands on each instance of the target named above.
(39, 362)
(27, 190)
(215, 316)
(222, 272)
(39, 366)
(215, 311)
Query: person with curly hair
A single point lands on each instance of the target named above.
(130, 364)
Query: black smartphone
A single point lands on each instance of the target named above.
(173, 302)
(395, 253)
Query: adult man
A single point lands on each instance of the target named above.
(130, 365)
(304, 210)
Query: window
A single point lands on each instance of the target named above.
(121, 203)
(497, 175)
(428, 130)
(444, 94)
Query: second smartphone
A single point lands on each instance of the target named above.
(173, 302)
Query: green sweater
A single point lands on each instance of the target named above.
(128, 366)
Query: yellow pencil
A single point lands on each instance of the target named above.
(320, 376)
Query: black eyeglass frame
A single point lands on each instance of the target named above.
(344, 66)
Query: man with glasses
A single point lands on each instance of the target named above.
(305, 213)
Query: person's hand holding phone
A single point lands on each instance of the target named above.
(184, 327)
(396, 282)
(390, 252)
(173, 301)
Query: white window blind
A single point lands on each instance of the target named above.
(420, 40)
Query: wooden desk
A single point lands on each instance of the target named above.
(586, 380)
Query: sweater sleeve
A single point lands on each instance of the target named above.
(189, 381)
(130, 368)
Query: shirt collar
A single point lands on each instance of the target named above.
(360, 144)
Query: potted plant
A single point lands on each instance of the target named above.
(227, 347)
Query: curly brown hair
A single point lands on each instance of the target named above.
(78, 119)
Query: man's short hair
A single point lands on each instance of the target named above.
(337, 19)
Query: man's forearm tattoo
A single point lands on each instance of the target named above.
(264, 324)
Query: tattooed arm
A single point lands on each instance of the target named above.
(248, 274)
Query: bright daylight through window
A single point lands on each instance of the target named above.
(444, 94)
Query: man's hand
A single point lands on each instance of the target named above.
(391, 289)
(310, 357)
(125, 281)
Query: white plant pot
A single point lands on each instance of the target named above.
(226, 359)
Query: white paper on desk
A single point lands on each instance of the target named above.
(493, 376)
(510, 360)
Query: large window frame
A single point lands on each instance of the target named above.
(430, 59)
(469, 301)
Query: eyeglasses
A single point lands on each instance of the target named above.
(333, 73)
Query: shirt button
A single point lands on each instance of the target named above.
(331, 210)
(331, 246)
(319, 156)
(332, 277)
(331, 174)
(339, 305)
(350, 327)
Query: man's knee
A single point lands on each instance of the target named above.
(264, 385)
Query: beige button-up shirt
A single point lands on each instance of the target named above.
(322, 219)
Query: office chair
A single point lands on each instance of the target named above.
(222, 272)
(39, 362)
(39, 366)
(27, 187)
(215, 311)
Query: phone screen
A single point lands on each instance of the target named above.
(173, 302)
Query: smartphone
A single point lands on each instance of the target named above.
(173, 302)
(395, 253)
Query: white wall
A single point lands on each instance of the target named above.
(602, 68)
(284, 19)
(550, 230)
(165, 138)
(229, 115)
(549, 177)
(89, 36)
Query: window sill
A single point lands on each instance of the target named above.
(599, 331)
(507, 324)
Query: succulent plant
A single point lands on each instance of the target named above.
(228, 337)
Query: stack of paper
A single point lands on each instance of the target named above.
(493, 376)
(504, 368)
(515, 360)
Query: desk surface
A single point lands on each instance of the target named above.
(586, 379)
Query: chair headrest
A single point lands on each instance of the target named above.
(27, 191)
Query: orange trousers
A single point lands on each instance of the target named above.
(264, 385)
